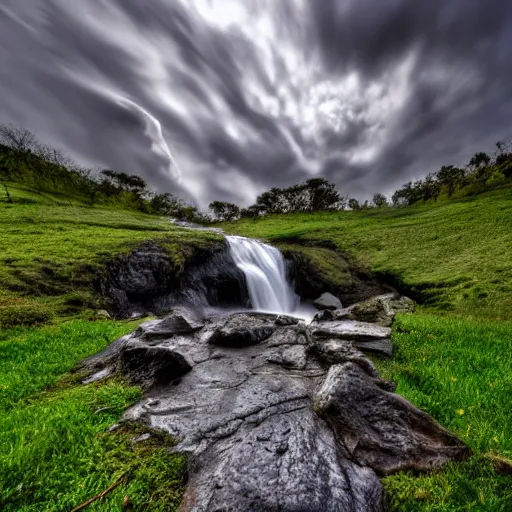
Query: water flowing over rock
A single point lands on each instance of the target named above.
(275, 415)
(265, 273)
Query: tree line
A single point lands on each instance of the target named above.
(483, 172)
(24, 159)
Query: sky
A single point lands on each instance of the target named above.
(224, 99)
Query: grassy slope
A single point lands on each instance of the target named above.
(454, 357)
(52, 249)
(54, 449)
(457, 255)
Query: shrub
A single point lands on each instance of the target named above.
(12, 316)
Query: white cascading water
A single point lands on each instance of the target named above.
(265, 273)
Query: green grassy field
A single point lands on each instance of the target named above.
(53, 249)
(454, 356)
(55, 451)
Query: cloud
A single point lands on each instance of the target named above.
(221, 99)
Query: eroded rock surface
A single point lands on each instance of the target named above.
(275, 415)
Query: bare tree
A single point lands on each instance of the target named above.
(53, 155)
(18, 139)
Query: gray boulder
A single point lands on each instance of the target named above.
(403, 437)
(381, 309)
(180, 321)
(327, 301)
(351, 330)
(383, 347)
(152, 366)
(242, 330)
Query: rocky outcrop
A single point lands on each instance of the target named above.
(148, 279)
(275, 416)
(317, 267)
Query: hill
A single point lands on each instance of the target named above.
(54, 248)
(453, 358)
(451, 255)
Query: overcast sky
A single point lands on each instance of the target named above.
(223, 99)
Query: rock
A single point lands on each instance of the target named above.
(142, 438)
(381, 309)
(275, 417)
(242, 330)
(382, 347)
(102, 314)
(137, 315)
(286, 320)
(381, 430)
(180, 321)
(100, 375)
(327, 315)
(286, 462)
(148, 278)
(327, 301)
(291, 357)
(351, 330)
(335, 351)
(151, 366)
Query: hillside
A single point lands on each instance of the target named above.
(451, 255)
(53, 249)
(452, 358)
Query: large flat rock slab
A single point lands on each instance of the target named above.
(273, 414)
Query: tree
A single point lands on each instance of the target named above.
(451, 178)
(225, 212)
(18, 139)
(354, 204)
(430, 188)
(479, 159)
(165, 204)
(126, 182)
(379, 200)
(252, 211)
(322, 195)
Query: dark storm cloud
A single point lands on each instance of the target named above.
(237, 97)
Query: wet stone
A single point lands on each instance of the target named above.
(278, 417)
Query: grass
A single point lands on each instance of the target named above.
(55, 451)
(454, 356)
(454, 255)
(460, 372)
(52, 252)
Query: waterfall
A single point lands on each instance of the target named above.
(265, 272)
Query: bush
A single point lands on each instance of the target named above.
(12, 316)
